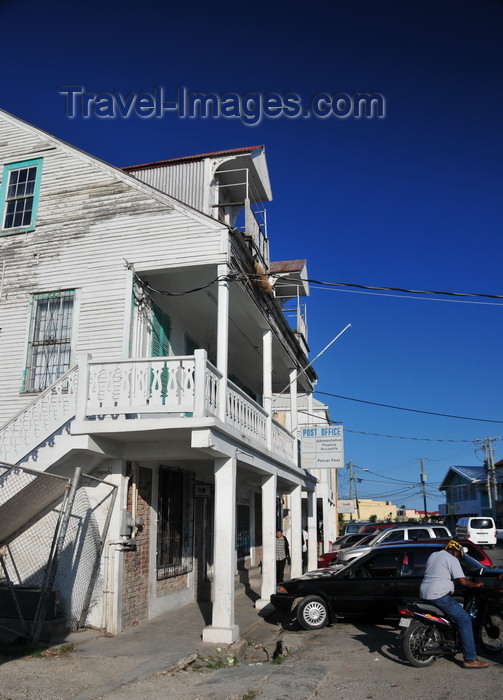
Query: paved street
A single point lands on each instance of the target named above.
(350, 661)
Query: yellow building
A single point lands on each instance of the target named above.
(365, 508)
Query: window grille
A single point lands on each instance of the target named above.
(50, 345)
(175, 531)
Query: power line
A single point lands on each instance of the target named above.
(400, 289)
(412, 410)
(384, 435)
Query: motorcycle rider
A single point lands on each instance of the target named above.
(443, 568)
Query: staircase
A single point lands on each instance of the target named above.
(36, 425)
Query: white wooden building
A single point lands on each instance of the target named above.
(141, 340)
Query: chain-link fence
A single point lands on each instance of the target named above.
(52, 531)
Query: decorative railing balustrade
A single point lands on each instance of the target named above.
(244, 414)
(40, 419)
(283, 442)
(187, 386)
(138, 386)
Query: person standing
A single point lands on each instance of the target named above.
(305, 538)
(437, 587)
(282, 555)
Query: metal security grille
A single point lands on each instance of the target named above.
(50, 345)
(50, 547)
(19, 199)
(175, 522)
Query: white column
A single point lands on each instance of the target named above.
(326, 520)
(222, 629)
(294, 413)
(222, 337)
(269, 488)
(84, 359)
(267, 382)
(296, 531)
(312, 547)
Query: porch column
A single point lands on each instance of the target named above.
(267, 382)
(296, 531)
(222, 629)
(294, 414)
(312, 545)
(222, 336)
(269, 489)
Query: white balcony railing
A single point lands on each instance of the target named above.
(46, 414)
(187, 386)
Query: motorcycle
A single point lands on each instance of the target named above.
(429, 633)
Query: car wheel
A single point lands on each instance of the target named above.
(312, 613)
(491, 635)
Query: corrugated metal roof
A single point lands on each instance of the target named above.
(287, 266)
(188, 159)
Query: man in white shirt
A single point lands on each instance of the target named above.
(442, 570)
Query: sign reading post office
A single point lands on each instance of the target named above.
(322, 446)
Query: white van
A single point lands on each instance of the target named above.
(480, 530)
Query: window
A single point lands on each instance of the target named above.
(175, 524)
(243, 531)
(383, 565)
(19, 195)
(49, 351)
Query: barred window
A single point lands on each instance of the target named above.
(175, 524)
(50, 343)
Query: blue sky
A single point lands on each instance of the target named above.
(412, 200)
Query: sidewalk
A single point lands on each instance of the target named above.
(166, 643)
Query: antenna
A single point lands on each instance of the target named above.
(312, 361)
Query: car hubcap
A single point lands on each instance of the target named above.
(314, 613)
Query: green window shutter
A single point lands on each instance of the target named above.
(161, 329)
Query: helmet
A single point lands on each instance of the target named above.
(452, 544)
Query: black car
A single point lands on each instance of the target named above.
(372, 587)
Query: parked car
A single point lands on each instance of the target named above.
(372, 587)
(352, 527)
(410, 532)
(473, 550)
(374, 528)
(481, 530)
(329, 558)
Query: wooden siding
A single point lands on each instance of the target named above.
(184, 181)
(91, 218)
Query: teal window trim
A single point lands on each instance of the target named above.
(50, 339)
(7, 171)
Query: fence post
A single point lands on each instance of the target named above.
(82, 386)
(200, 362)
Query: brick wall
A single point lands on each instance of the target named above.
(135, 596)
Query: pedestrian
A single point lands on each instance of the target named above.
(282, 555)
(443, 568)
(305, 538)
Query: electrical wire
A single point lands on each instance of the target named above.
(412, 410)
(398, 289)
(384, 435)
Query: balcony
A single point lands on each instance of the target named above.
(117, 396)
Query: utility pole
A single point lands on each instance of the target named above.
(350, 466)
(352, 482)
(492, 494)
(423, 486)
